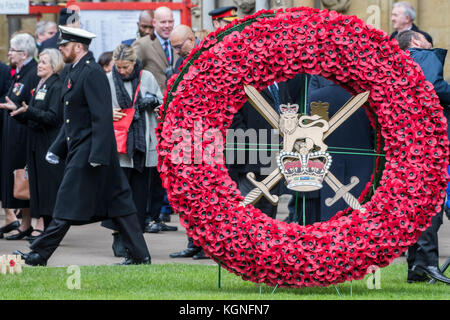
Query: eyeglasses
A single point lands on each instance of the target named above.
(178, 47)
(15, 50)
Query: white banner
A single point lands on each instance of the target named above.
(14, 7)
(112, 27)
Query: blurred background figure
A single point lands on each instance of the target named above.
(106, 61)
(145, 27)
(44, 30)
(403, 16)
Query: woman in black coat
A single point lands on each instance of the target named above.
(14, 134)
(43, 117)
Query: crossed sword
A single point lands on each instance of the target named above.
(263, 188)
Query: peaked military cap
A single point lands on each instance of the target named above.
(225, 13)
(69, 34)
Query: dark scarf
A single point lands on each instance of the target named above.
(136, 147)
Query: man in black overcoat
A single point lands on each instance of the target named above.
(94, 187)
(355, 133)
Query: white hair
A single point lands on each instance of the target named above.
(409, 9)
(43, 26)
(24, 42)
(56, 59)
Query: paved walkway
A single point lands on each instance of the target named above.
(91, 244)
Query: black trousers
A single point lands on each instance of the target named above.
(155, 199)
(425, 252)
(129, 228)
(139, 187)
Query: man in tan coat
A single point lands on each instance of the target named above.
(157, 55)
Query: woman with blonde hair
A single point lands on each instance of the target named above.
(43, 117)
(133, 87)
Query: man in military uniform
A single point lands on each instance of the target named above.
(223, 16)
(94, 187)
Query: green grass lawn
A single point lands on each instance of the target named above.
(181, 282)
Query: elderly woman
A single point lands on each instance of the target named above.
(14, 134)
(43, 117)
(133, 87)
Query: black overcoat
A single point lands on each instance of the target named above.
(43, 119)
(89, 193)
(14, 134)
(355, 133)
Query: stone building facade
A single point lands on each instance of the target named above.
(432, 16)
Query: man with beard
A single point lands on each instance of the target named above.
(94, 186)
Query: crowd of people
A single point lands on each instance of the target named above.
(55, 124)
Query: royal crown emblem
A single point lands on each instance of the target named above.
(304, 173)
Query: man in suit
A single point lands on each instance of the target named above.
(403, 16)
(94, 186)
(157, 55)
(183, 40)
(145, 27)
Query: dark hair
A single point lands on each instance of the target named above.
(404, 39)
(105, 58)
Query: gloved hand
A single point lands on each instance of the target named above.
(51, 158)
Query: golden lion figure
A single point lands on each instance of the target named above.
(308, 128)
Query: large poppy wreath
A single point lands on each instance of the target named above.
(275, 46)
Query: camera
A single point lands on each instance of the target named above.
(149, 101)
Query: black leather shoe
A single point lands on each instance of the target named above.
(187, 253)
(10, 227)
(153, 227)
(132, 261)
(431, 272)
(32, 258)
(156, 227)
(199, 256)
(21, 234)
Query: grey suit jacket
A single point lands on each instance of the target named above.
(152, 55)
